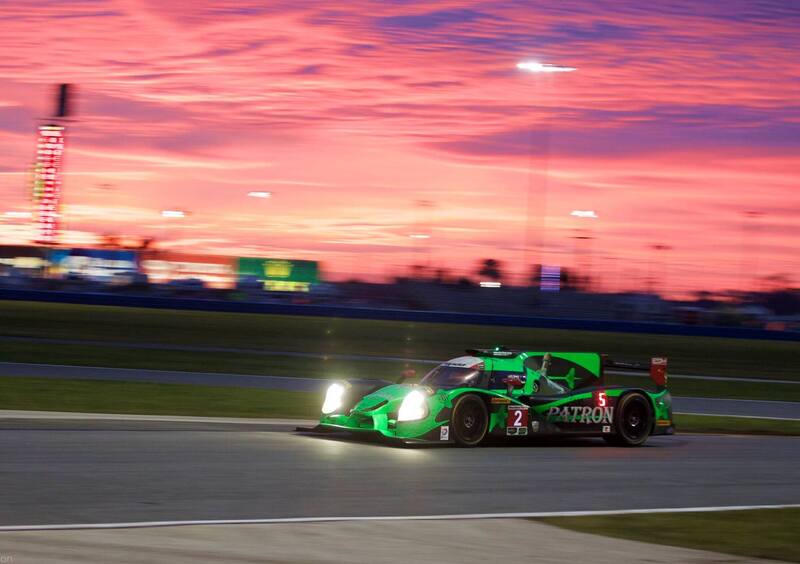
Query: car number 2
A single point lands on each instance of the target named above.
(517, 416)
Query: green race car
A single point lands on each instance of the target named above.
(501, 392)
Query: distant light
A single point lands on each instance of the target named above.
(532, 66)
(173, 213)
(490, 284)
(259, 194)
(550, 278)
(419, 236)
(584, 213)
(18, 214)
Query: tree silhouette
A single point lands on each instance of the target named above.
(490, 268)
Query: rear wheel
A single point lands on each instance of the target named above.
(633, 421)
(470, 420)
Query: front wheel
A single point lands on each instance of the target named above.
(470, 420)
(633, 420)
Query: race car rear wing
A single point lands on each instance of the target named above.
(657, 368)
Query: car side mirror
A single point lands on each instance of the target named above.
(407, 374)
(511, 382)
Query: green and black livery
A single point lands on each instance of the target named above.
(500, 392)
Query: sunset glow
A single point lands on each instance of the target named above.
(680, 132)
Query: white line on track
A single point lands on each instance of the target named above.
(737, 416)
(276, 521)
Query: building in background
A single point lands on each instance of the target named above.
(162, 267)
(24, 261)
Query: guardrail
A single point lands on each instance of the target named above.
(108, 299)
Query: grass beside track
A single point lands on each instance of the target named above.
(762, 533)
(198, 361)
(325, 335)
(735, 425)
(101, 396)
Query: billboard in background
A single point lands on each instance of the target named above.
(99, 265)
(27, 259)
(164, 266)
(279, 275)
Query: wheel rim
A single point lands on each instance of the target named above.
(635, 419)
(471, 422)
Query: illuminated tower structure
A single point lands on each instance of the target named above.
(47, 187)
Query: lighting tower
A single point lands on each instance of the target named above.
(47, 171)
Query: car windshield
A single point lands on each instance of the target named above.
(448, 376)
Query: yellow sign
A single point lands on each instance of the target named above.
(286, 286)
(278, 268)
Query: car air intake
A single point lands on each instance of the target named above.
(376, 406)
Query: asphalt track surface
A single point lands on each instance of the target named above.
(94, 471)
(703, 406)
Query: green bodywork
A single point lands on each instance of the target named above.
(573, 410)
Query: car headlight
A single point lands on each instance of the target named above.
(414, 406)
(333, 398)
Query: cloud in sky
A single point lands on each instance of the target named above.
(682, 116)
(655, 130)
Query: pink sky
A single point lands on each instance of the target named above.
(681, 118)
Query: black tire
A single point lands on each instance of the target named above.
(470, 421)
(633, 421)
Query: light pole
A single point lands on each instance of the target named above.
(422, 235)
(587, 277)
(537, 68)
(651, 285)
(170, 214)
(260, 195)
(585, 215)
(750, 234)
